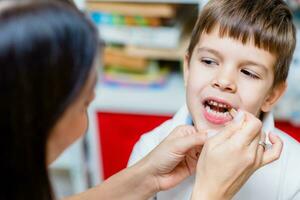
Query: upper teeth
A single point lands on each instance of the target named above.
(221, 105)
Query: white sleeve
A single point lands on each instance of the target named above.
(146, 143)
(149, 141)
(138, 153)
(291, 182)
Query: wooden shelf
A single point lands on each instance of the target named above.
(160, 54)
(134, 9)
(154, 1)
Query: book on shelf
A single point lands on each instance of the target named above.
(174, 54)
(152, 37)
(138, 29)
(118, 19)
(117, 58)
(134, 9)
(154, 77)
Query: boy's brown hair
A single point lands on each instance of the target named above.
(268, 22)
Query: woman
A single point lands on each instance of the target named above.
(48, 59)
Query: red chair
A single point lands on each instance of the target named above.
(290, 129)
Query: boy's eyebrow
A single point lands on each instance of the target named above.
(249, 62)
(205, 49)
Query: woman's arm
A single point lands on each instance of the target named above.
(164, 167)
(131, 183)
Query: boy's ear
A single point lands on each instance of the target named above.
(186, 69)
(274, 96)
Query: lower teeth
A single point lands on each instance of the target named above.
(220, 114)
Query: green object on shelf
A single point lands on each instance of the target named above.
(118, 19)
(141, 21)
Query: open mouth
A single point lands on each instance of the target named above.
(217, 106)
(217, 111)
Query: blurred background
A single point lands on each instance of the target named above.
(141, 86)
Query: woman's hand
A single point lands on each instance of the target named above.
(166, 166)
(230, 157)
(175, 158)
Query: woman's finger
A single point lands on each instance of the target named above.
(274, 152)
(185, 143)
(182, 131)
(260, 149)
(232, 128)
(249, 131)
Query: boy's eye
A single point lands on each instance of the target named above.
(250, 74)
(207, 61)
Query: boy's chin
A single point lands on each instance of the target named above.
(210, 129)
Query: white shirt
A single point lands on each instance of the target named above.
(279, 180)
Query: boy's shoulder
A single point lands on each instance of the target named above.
(290, 162)
(290, 155)
(290, 144)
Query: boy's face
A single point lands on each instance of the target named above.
(222, 74)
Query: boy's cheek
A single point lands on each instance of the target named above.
(253, 108)
(197, 83)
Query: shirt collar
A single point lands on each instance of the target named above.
(268, 122)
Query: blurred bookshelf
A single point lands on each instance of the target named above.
(153, 1)
(141, 38)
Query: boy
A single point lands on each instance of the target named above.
(238, 57)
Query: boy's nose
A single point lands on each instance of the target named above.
(224, 83)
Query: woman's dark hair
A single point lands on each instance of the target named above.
(47, 49)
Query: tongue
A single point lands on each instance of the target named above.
(218, 109)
